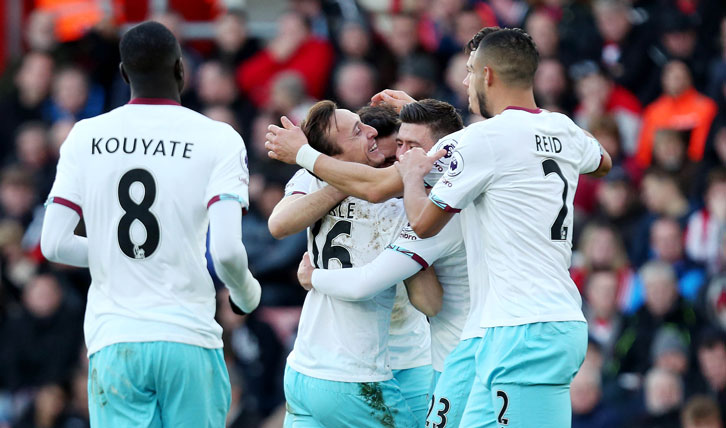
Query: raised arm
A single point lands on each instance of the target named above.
(361, 181)
(230, 257)
(296, 212)
(58, 243)
(365, 282)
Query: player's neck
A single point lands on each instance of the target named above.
(521, 98)
(156, 91)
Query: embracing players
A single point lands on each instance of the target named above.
(527, 259)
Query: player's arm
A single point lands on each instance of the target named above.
(425, 217)
(296, 212)
(58, 243)
(359, 180)
(606, 162)
(229, 255)
(425, 291)
(365, 282)
(290, 145)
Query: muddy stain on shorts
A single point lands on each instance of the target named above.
(97, 389)
(373, 396)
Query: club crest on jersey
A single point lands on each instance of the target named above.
(456, 165)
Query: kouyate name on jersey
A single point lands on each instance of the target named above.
(150, 147)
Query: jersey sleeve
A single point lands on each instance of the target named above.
(67, 187)
(442, 164)
(470, 171)
(591, 153)
(426, 251)
(364, 282)
(299, 184)
(230, 177)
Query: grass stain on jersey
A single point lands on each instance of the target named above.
(373, 396)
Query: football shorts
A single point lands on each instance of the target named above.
(523, 375)
(316, 403)
(141, 384)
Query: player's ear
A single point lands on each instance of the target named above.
(123, 73)
(488, 76)
(179, 73)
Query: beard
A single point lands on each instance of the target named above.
(482, 100)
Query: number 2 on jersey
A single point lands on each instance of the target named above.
(558, 232)
(137, 211)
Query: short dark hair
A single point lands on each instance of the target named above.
(476, 40)
(149, 48)
(512, 53)
(382, 117)
(316, 127)
(440, 117)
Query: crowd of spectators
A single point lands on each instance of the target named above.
(646, 77)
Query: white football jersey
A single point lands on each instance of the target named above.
(409, 336)
(440, 167)
(342, 340)
(446, 253)
(299, 183)
(143, 176)
(476, 266)
(519, 170)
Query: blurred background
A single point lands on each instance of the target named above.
(646, 77)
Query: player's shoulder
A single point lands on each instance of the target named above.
(299, 183)
(448, 142)
(564, 121)
(302, 174)
(216, 126)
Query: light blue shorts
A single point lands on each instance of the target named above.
(523, 375)
(452, 389)
(415, 386)
(157, 384)
(316, 403)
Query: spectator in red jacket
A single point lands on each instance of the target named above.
(598, 95)
(293, 49)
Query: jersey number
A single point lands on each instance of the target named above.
(441, 413)
(558, 232)
(505, 403)
(137, 211)
(331, 251)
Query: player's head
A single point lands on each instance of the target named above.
(385, 119)
(340, 133)
(151, 59)
(499, 59)
(425, 122)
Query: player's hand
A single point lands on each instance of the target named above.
(283, 143)
(305, 272)
(396, 99)
(415, 164)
